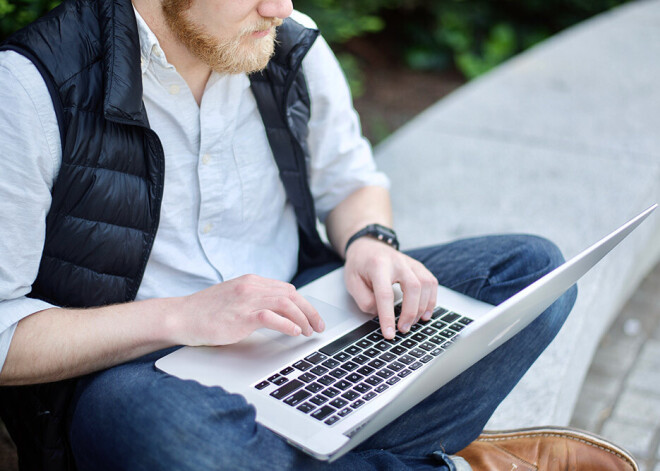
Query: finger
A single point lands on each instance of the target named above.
(411, 287)
(384, 295)
(285, 307)
(362, 294)
(428, 295)
(309, 311)
(271, 320)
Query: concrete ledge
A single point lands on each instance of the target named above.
(561, 141)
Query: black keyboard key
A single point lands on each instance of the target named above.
(319, 400)
(302, 365)
(274, 377)
(353, 350)
(396, 366)
(360, 359)
(364, 343)
(331, 392)
(393, 380)
(357, 404)
(306, 407)
(416, 365)
(465, 321)
(314, 387)
(406, 359)
(366, 370)
(381, 388)
(262, 385)
(426, 358)
(341, 356)
(398, 350)
(350, 395)
(287, 389)
(354, 378)
(437, 352)
(348, 338)
(428, 346)
(344, 412)
(455, 327)
(382, 346)
(437, 340)
(387, 356)
(408, 343)
(331, 420)
(338, 373)
(316, 358)
(451, 317)
(326, 380)
(439, 325)
(349, 366)
(319, 370)
(419, 337)
(287, 370)
(404, 373)
(385, 373)
(416, 352)
(376, 363)
(307, 377)
(343, 385)
(362, 388)
(339, 402)
(397, 338)
(429, 331)
(373, 380)
(279, 381)
(369, 396)
(437, 312)
(375, 337)
(323, 412)
(330, 363)
(447, 333)
(371, 352)
(296, 398)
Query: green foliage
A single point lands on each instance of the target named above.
(472, 35)
(14, 14)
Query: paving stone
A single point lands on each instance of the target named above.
(645, 378)
(639, 407)
(616, 354)
(635, 438)
(650, 353)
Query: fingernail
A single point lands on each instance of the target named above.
(389, 332)
(427, 315)
(297, 331)
(321, 325)
(405, 328)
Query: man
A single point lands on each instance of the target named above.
(154, 194)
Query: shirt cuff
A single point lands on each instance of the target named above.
(13, 310)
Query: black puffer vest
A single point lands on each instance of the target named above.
(106, 199)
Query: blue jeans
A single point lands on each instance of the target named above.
(135, 417)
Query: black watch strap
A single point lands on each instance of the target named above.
(378, 232)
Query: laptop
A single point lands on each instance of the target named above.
(327, 393)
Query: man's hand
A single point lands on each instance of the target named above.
(371, 269)
(230, 311)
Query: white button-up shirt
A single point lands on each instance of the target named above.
(224, 211)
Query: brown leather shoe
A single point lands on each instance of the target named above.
(546, 449)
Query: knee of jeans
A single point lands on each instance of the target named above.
(541, 255)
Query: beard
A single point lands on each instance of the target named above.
(239, 54)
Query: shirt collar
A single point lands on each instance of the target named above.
(150, 49)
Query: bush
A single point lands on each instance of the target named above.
(472, 35)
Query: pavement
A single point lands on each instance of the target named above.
(620, 397)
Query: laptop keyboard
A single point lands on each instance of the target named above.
(343, 375)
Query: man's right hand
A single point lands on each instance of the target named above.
(230, 311)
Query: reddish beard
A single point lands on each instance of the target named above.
(239, 54)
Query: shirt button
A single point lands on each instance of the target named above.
(174, 89)
(207, 228)
(157, 50)
(206, 158)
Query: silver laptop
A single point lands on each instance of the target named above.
(328, 393)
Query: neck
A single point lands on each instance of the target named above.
(194, 71)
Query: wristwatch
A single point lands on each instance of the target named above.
(377, 231)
